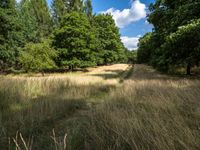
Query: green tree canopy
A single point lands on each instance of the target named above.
(28, 21)
(58, 10)
(74, 41)
(43, 17)
(88, 8)
(10, 35)
(110, 47)
(183, 46)
(38, 56)
(175, 37)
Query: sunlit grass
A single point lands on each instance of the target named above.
(108, 107)
(150, 111)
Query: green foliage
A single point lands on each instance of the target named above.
(76, 5)
(74, 41)
(61, 7)
(109, 45)
(39, 56)
(145, 49)
(131, 56)
(43, 17)
(10, 35)
(58, 10)
(8, 4)
(28, 21)
(88, 8)
(183, 46)
(80, 38)
(175, 39)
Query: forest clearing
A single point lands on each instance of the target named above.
(99, 75)
(108, 107)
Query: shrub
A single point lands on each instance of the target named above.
(37, 56)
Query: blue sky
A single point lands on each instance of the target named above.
(129, 15)
(136, 28)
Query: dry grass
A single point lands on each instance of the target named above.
(150, 111)
(35, 104)
(97, 111)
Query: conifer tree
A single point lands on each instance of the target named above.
(43, 17)
(10, 35)
(59, 9)
(28, 21)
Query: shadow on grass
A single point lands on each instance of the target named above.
(118, 71)
(48, 71)
(107, 76)
(143, 72)
(37, 116)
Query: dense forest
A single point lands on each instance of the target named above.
(34, 37)
(175, 40)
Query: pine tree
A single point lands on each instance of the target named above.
(43, 17)
(59, 9)
(28, 21)
(10, 35)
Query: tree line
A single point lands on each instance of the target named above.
(175, 40)
(34, 37)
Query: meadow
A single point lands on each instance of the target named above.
(106, 108)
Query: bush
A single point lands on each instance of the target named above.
(37, 56)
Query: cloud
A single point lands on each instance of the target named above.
(127, 16)
(130, 42)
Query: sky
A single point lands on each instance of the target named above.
(129, 16)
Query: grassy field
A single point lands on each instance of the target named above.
(107, 108)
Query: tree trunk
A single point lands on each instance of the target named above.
(188, 69)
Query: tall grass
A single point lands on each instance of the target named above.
(34, 106)
(149, 112)
(145, 110)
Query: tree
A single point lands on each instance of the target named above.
(8, 4)
(37, 56)
(74, 41)
(59, 9)
(131, 56)
(10, 35)
(145, 50)
(28, 21)
(88, 8)
(43, 18)
(173, 42)
(75, 5)
(110, 47)
(183, 46)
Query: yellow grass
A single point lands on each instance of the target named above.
(96, 110)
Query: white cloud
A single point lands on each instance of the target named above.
(127, 16)
(130, 42)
